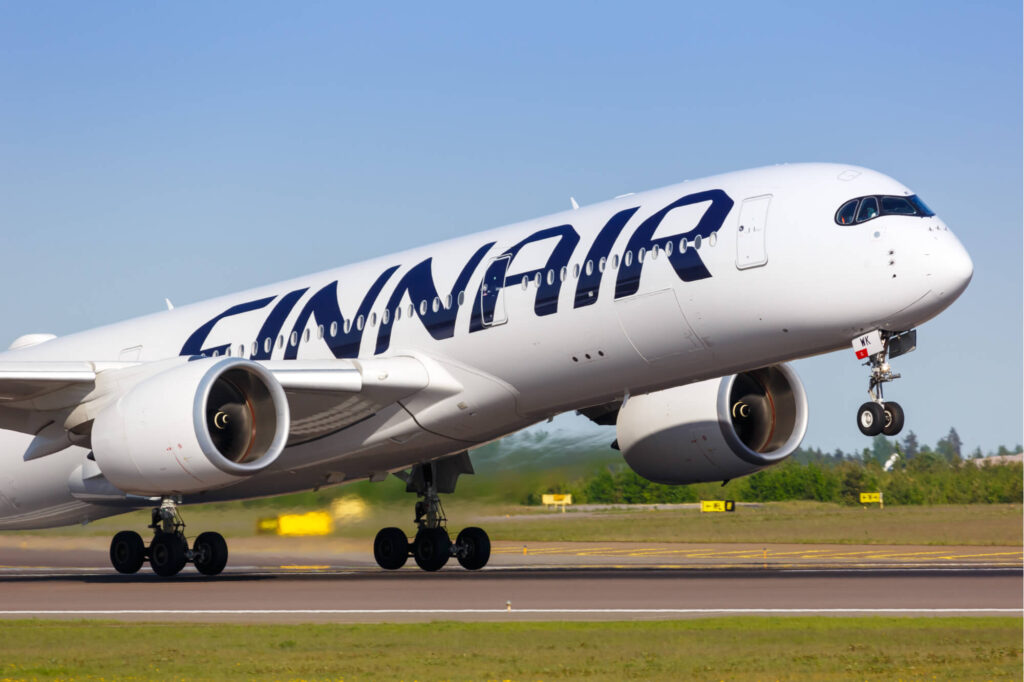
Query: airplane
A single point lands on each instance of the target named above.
(671, 314)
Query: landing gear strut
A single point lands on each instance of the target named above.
(168, 552)
(432, 546)
(878, 416)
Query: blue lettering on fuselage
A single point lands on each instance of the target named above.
(344, 335)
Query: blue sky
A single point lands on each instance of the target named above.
(193, 149)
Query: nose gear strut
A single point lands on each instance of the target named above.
(878, 416)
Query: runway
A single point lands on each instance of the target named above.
(325, 581)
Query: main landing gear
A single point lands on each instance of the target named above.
(168, 551)
(878, 416)
(432, 546)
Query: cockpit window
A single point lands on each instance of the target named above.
(863, 209)
(896, 206)
(868, 209)
(847, 212)
(922, 208)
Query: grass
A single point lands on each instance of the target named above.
(784, 522)
(710, 649)
(777, 522)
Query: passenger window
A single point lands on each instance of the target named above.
(615, 262)
(590, 268)
(526, 282)
(536, 279)
(601, 264)
(398, 314)
(320, 331)
(359, 323)
(562, 273)
(373, 319)
(385, 316)
(682, 245)
(655, 250)
(293, 339)
(628, 259)
(435, 306)
(576, 271)
(896, 206)
(347, 327)
(423, 308)
(334, 329)
(846, 213)
(668, 248)
(462, 298)
(307, 334)
(448, 302)
(412, 309)
(868, 209)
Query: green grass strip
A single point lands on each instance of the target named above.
(798, 648)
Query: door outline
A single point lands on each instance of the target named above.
(493, 310)
(751, 248)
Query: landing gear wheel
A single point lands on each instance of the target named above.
(474, 548)
(893, 419)
(210, 553)
(431, 548)
(871, 419)
(391, 548)
(167, 554)
(127, 552)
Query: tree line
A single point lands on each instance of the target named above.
(920, 475)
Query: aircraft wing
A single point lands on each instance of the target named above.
(324, 396)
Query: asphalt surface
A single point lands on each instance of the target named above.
(319, 580)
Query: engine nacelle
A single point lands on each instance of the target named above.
(714, 430)
(201, 425)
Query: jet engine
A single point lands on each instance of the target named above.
(200, 425)
(714, 430)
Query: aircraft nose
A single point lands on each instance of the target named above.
(954, 270)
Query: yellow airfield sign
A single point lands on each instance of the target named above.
(717, 505)
(871, 498)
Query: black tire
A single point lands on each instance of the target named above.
(476, 548)
(870, 419)
(127, 552)
(210, 553)
(431, 548)
(391, 548)
(167, 554)
(894, 419)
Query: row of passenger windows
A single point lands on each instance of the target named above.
(863, 209)
(362, 322)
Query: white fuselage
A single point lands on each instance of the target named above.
(572, 316)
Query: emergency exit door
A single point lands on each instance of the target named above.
(751, 249)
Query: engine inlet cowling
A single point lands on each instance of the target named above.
(200, 425)
(714, 430)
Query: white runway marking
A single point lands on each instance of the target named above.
(385, 612)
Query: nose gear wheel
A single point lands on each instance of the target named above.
(878, 417)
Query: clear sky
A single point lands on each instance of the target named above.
(193, 149)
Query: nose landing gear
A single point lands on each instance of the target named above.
(878, 416)
(168, 552)
(432, 546)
